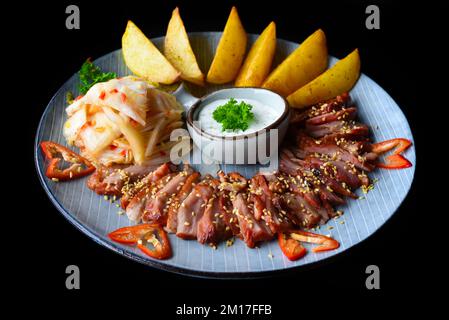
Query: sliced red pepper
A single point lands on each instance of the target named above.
(395, 161)
(54, 153)
(151, 239)
(102, 95)
(292, 249)
(326, 243)
(130, 235)
(155, 244)
(400, 144)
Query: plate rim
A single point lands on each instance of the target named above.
(184, 270)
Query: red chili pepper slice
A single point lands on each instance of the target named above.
(54, 153)
(130, 235)
(400, 144)
(326, 243)
(151, 239)
(292, 249)
(395, 161)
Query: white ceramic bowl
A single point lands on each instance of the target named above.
(256, 147)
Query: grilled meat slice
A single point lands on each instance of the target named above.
(338, 129)
(344, 172)
(309, 146)
(253, 231)
(130, 190)
(301, 212)
(192, 209)
(265, 205)
(211, 226)
(110, 180)
(157, 207)
(172, 216)
(344, 114)
(136, 207)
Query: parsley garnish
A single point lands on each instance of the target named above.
(90, 74)
(233, 115)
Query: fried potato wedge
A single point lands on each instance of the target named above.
(335, 81)
(257, 64)
(302, 66)
(230, 51)
(144, 59)
(178, 51)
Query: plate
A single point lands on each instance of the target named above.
(96, 217)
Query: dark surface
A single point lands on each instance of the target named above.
(390, 56)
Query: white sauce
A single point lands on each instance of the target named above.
(264, 115)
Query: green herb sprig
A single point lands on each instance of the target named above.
(90, 74)
(234, 116)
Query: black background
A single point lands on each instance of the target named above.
(392, 56)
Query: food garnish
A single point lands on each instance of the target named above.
(55, 154)
(291, 248)
(151, 239)
(325, 243)
(234, 115)
(90, 74)
(395, 160)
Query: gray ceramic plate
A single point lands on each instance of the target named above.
(96, 217)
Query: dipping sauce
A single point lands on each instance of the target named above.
(264, 115)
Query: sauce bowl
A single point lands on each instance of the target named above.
(243, 148)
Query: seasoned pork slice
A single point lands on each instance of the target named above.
(344, 172)
(130, 190)
(211, 226)
(253, 231)
(265, 205)
(172, 216)
(192, 209)
(301, 212)
(136, 207)
(157, 207)
(308, 146)
(110, 180)
(343, 114)
(338, 129)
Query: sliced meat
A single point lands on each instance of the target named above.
(341, 171)
(187, 187)
(192, 209)
(211, 226)
(252, 231)
(309, 146)
(341, 115)
(157, 207)
(265, 205)
(136, 207)
(110, 180)
(337, 130)
(130, 190)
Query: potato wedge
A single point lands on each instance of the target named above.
(302, 66)
(144, 59)
(178, 51)
(258, 62)
(336, 80)
(230, 51)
